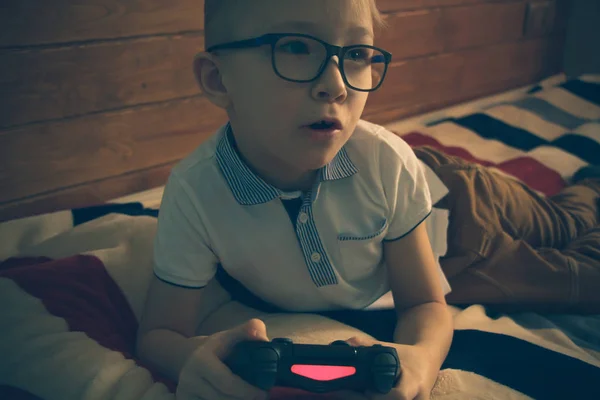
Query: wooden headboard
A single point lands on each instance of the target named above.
(98, 100)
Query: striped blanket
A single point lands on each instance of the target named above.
(73, 283)
(72, 302)
(542, 138)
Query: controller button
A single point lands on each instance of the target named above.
(264, 368)
(265, 356)
(385, 372)
(385, 360)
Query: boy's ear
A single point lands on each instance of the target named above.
(209, 78)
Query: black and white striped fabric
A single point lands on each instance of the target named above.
(542, 138)
(75, 280)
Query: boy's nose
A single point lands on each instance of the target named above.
(330, 86)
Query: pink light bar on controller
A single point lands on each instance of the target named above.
(323, 372)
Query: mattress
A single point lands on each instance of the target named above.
(76, 280)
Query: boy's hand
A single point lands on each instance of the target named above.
(205, 377)
(417, 374)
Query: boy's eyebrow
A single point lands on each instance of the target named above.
(311, 26)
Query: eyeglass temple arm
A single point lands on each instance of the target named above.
(255, 42)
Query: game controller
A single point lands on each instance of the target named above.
(315, 368)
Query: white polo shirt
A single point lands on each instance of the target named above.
(216, 210)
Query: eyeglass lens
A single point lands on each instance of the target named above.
(299, 58)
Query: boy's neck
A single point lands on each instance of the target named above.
(278, 177)
(304, 183)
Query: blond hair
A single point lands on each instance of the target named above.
(215, 12)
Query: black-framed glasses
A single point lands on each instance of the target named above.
(303, 58)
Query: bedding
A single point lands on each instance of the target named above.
(73, 283)
(541, 138)
(75, 300)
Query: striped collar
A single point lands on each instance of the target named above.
(250, 189)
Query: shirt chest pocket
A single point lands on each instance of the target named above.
(361, 254)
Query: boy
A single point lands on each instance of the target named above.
(307, 206)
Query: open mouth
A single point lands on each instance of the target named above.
(325, 125)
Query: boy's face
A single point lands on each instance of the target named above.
(269, 115)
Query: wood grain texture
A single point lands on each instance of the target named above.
(35, 22)
(412, 34)
(432, 31)
(49, 84)
(87, 194)
(98, 100)
(425, 84)
(42, 158)
(469, 26)
(97, 146)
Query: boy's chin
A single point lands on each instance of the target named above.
(316, 163)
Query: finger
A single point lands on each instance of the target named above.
(202, 389)
(225, 381)
(184, 394)
(358, 341)
(254, 329)
(257, 329)
(209, 368)
(353, 341)
(404, 391)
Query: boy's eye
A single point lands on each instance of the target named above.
(294, 47)
(359, 54)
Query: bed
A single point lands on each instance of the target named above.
(74, 280)
(480, 80)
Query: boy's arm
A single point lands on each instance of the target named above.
(423, 317)
(184, 262)
(166, 332)
(165, 342)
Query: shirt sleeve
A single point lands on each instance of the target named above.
(182, 254)
(405, 186)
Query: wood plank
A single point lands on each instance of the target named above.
(48, 84)
(401, 5)
(98, 146)
(412, 34)
(41, 158)
(446, 29)
(428, 83)
(34, 22)
(87, 194)
(102, 163)
(483, 24)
